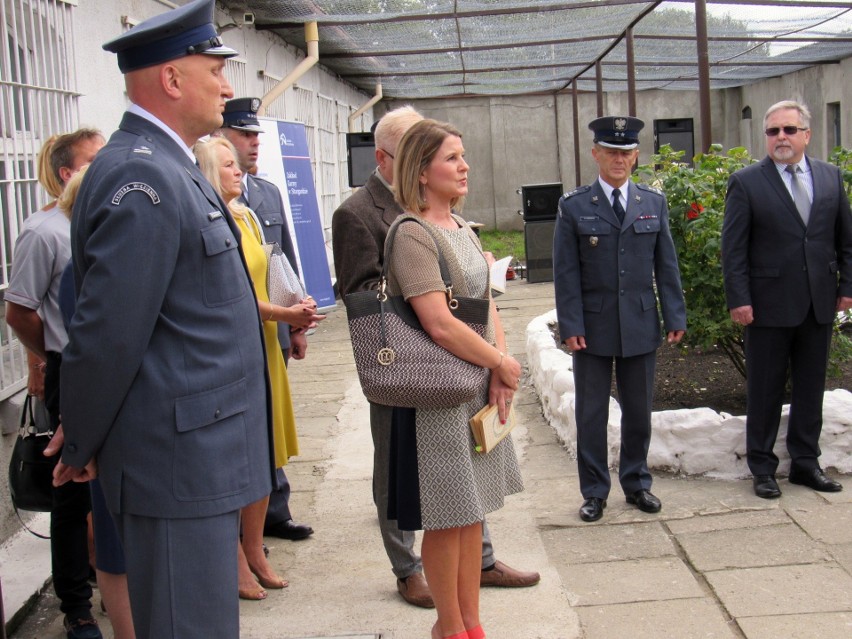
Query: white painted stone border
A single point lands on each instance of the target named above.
(690, 441)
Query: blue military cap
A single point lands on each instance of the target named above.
(617, 131)
(184, 31)
(241, 114)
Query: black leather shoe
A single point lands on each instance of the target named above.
(288, 530)
(645, 501)
(592, 509)
(815, 478)
(766, 487)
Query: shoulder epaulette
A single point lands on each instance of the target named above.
(579, 189)
(645, 187)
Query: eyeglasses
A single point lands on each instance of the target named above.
(788, 130)
(390, 155)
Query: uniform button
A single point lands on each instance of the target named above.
(621, 273)
(622, 251)
(621, 292)
(217, 413)
(228, 242)
(266, 222)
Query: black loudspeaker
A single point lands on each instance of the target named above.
(676, 133)
(361, 154)
(538, 240)
(540, 201)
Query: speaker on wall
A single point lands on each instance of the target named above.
(677, 133)
(538, 241)
(540, 201)
(361, 155)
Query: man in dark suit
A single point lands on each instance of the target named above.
(787, 262)
(163, 381)
(612, 250)
(359, 227)
(242, 129)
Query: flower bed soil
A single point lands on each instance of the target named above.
(690, 379)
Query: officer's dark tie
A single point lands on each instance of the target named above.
(616, 205)
(800, 196)
(245, 197)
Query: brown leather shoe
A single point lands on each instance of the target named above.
(503, 576)
(415, 590)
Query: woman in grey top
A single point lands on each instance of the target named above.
(453, 486)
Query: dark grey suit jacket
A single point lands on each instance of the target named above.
(164, 376)
(605, 273)
(358, 230)
(774, 264)
(265, 200)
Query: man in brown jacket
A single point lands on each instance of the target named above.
(358, 230)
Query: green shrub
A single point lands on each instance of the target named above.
(696, 198)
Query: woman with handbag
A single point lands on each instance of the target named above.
(217, 160)
(453, 486)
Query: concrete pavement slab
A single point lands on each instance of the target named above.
(594, 544)
(728, 521)
(842, 554)
(654, 579)
(673, 619)
(832, 625)
(783, 590)
(779, 545)
(832, 525)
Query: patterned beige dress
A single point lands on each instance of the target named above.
(456, 486)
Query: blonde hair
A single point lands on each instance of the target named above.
(69, 194)
(393, 125)
(46, 177)
(208, 162)
(415, 152)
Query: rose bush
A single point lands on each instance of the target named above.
(696, 198)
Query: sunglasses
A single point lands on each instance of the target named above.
(788, 130)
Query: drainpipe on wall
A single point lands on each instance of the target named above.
(371, 102)
(312, 39)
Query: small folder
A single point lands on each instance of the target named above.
(487, 429)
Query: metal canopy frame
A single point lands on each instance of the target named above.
(472, 48)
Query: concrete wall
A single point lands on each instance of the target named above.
(515, 141)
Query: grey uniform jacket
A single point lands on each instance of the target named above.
(605, 272)
(164, 377)
(265, 200)
(771, 261)
(358, 228)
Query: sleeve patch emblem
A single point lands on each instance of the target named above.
(135, 186)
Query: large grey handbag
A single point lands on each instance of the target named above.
(398, 363)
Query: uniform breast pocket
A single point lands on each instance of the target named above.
(646, 231)
(594, 236)
(224, 278)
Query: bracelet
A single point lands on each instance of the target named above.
(271, 313)
(502, 355)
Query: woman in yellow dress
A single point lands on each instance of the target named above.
(217, 160)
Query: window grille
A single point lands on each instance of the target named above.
(278, 109)
(38, 96)
(235, 72)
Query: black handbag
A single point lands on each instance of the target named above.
(397, 361)
(30, 472)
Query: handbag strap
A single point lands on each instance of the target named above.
(442, 263)
(28, 426)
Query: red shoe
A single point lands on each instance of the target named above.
(476, 633)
